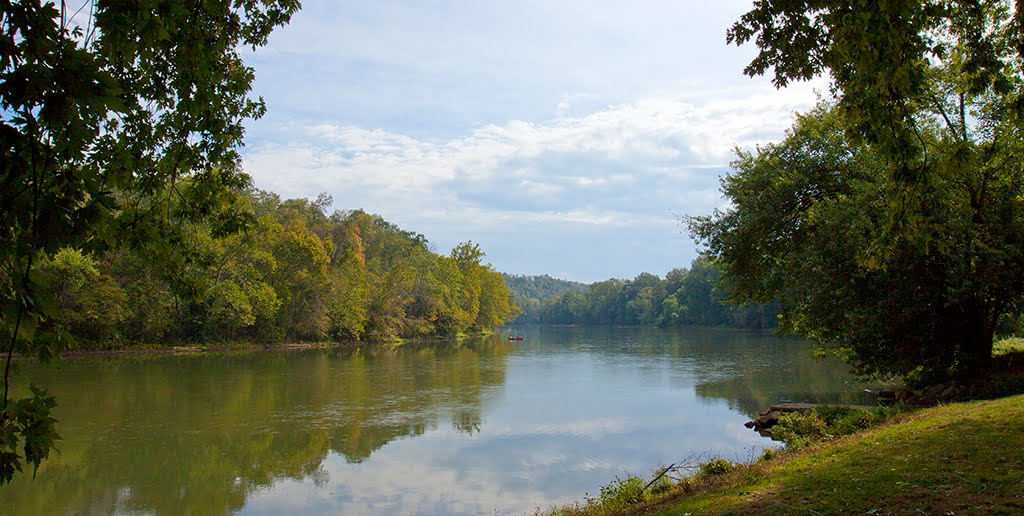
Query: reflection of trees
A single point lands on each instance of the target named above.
(751, 370)
(401, 392)
(201, 433)
(804, 379)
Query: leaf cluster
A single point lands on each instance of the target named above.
(27, 433)
(119, 125)
(881, 57)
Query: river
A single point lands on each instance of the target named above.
(478, 426)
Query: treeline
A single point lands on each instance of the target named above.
(295, 273)
(683, 298)
(531, 293)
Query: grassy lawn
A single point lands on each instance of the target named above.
(963, 458)
(960, 458)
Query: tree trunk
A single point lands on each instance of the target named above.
(977, 345)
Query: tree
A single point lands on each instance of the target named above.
(302, 259)
(496, 304)
(237, 298)
(883, 58)
(149, 313)
(90, 304)
(484, 297)
(930, 96)
(642, 293)
(804, 215)
(467, 256)
(391, 293)
(700, 301)
(351, 292)
(103, 116)
(683, 298)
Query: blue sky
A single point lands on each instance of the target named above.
(565, 137)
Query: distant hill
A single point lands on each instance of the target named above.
(530, 293)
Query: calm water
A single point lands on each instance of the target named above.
(478, 427)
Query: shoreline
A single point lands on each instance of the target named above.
(215, 348)
(196, 349)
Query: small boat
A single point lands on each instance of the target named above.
(516, 338)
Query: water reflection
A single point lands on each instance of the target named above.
(750, 370)
(204, 432)
(483, 426)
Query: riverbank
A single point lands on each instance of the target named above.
(204, 348)
(959, 458)
(223, 347)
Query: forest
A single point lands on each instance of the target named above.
(293, 273)
(684, 297)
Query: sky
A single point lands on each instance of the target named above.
(565, 137)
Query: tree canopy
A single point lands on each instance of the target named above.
(108, 114)
(887, 61)
(296, 274)
(888, 223)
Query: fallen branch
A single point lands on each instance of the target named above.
(649, 484)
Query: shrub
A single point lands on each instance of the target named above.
(716, 466)
(799, 429)
(1008, 346)
(1001, 383)
(619, 493)
(768, 454)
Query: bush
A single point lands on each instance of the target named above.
(662, 484)
(619, 493)
(1000, 384)
(800, 429)
(1008, 346)
(715, 467)
(768, 454)
(844, 420)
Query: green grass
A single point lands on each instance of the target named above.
(958, 458)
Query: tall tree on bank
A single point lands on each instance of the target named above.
(890, 225)
(108, 113)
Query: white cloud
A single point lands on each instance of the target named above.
(578, 169)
